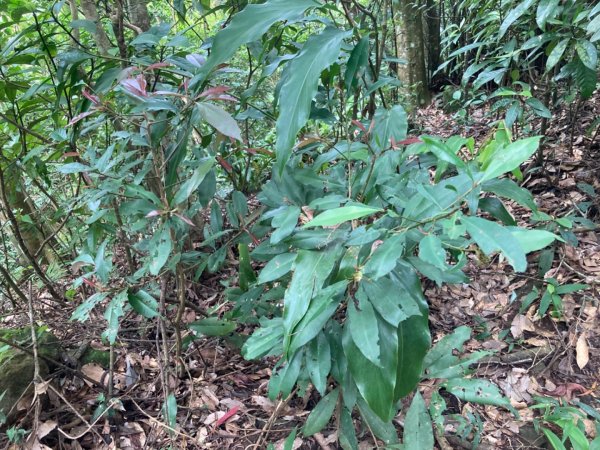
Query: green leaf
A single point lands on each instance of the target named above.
(73, 168)
(160, 252)
(220, 119)
(538, 108)
(299, 86)
(265, 340)
(389, 298)
(389, 124)
(546, 10)
(113, 313)
(413, 342)
(509, 189)
(586, 79)
(496, 209)
(246, 272)
(432, 251)
(364, 330)
(169, 411)
(533, 240)
(143, 303)
(321, 414)
(477, 391)
(514, 15)
(491, 237)
(418, 432)
(385, 257)
(336, 216)
(359, 59)
(386, 431)
(248, 26)
(277, 267)
(318, 360)
(347, 438)
(212, 326)
(283, 381)
(442, 151)
(556, 54)
(82, 312)
(587, 53)
(284, 223)
(311, 268)
(554, 440)
(191, 184)
(511, 157)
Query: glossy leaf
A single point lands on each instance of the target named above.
(364, 330)
(321, 414)
(340, 215)
(347, 437)
(514, 15)
(477, 391)
(510, 157)
(277, 267)
(432, 251)
(491, 237)
(318, 357)
(220, 119)
(248, 26)
(556, 53)
(359, 59)
(191, 184)
(389, 124)
(533, 240)
(299, 86)
(385, 257)
(546, 10)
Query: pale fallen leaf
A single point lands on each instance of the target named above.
(45, 427)
(583, 351)
(520, 324)
(95, 372)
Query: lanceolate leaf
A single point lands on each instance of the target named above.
(248, 26)
(299, 86)
(359, 58)
(364, 330)
(220, 119)
(514, 15)
(510, 157)
(321, 414)
(144, 304)
(418, 432)
(491, 237)
(336, 216)
(545, 10)
(193, 182)
(556, 54)
(277, 267)
(476, 391)
(311, 268)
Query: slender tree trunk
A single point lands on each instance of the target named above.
(432, 25)
(91, 13)
(414, 41)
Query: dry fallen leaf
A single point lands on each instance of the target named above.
(520, 324)
(583, 351)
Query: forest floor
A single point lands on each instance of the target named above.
(223, 403)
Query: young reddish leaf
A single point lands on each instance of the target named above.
(228, 415)
(359, 125)
(78, 117)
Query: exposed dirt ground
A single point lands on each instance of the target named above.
(222, 400)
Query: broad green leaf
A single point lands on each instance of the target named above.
(418, 432)
(375, 384)
(321, 414)
(212, 326)
(347, 437)
(283, 380)
(359, 58)
(266, 340)
(514, 15)
(556, 54)
(311, 268)
(284, 223)
(318, 359)
(491, 237)
(113, 313)
(442, 151)
(389, 298)
(220, 119)
(160, 252)
(386, 431)
(364, 330)
(320, 310)
(441, 355)
(533, 240)
(248, 26)
(288, 444)
(477, 391)
(496, 209)
(546, 10)
(507, 188)
(246, 272)
(413, 342)
(432, 251)
(385, 257)
(585, 78)
(191, 184)
(299, 86)
(538, 108)
(143, 303)
(73, 168)
(277, 267)
(389, 124)
(82, 312)
(511, 157)
(587, 53)
(336, 216)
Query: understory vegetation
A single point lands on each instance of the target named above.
(213, 208)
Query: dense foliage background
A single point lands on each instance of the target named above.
(276, 150)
